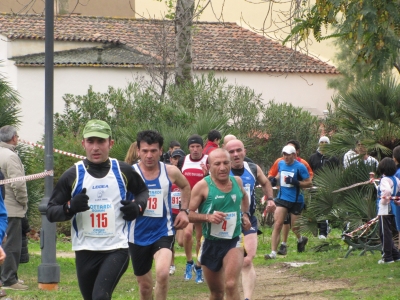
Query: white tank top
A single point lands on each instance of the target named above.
(102, 227)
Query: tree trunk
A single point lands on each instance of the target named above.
(183, 49)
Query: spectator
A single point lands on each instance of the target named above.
(132, 155)
(16, 202)
(388, 186)
(317, 161)
(213, 138)
(165, 157)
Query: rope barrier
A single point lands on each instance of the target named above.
(28, 177)
(366, 226)
(54, 150)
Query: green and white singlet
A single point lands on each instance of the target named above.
(229, 203)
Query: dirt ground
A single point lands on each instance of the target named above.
(276, 282)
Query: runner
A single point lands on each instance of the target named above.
(194, 168)
(176, 204)
(221, 199)
(272, 176)
(90, 194)
(293, 176)
(251, 175)
(152, 235)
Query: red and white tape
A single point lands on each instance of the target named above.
(27, 178)
(54, 150)
(363, 227)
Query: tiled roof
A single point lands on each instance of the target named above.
(107, 56)
(216, 46)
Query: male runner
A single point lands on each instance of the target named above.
(293, 176)
(251, 175)
(221, 201)
(90, 194)
(152, 235)
(193, 167)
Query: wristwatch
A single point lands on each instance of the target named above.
(246, 213)
(186, 210)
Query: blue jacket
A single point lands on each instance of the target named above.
(3, 219)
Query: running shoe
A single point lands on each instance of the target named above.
(188, 271)
(269, 256)
(301, 246)
(199, 276)
(171, 270)
(282, 250)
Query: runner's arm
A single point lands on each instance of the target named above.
(57, 210)
(136, 186)
(267, 189)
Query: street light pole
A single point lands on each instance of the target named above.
(48, 270)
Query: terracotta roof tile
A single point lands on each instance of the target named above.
(216, 46)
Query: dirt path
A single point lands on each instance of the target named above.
(276, 282)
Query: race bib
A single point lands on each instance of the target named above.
(99, 220)
(248, 191)
(175, 199)
(155, 204)
(226, 228)
(285, 174)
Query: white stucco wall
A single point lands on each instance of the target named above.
(304, 90)
(66, 81)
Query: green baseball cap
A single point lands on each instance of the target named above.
(97, 128)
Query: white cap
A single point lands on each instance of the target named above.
(288, 149)
(324, 139)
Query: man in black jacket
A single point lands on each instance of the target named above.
(317, 161)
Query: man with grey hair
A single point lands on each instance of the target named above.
(16, 201)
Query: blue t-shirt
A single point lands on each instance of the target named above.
(297, 170)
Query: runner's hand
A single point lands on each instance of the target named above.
(270, 206)
(291, 180)
(273, 181)
(181, 221)
(217, 217)
(130, 209)
(246, 224)
(79, 202)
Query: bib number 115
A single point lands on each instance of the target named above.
(99, 220)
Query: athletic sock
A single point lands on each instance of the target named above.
(197, 267)
(273, 253)
(283, 243)
(300, 239)
(190, 262)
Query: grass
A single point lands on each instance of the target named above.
(365, 278)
